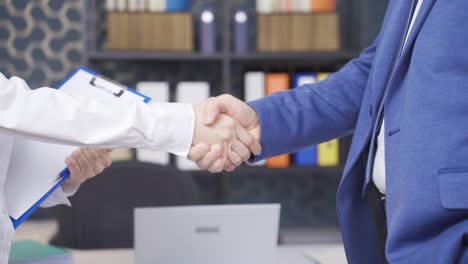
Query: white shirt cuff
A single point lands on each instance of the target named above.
(56, 198)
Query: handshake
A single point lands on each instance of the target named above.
(227, 132)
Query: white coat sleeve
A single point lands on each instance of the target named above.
(49, 115)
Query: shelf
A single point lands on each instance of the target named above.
(324, 56)
(291, 171)
(153, 55)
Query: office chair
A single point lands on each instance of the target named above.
(103, 208)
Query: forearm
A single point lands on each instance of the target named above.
(49, 115)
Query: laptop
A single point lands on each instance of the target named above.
(214, 234)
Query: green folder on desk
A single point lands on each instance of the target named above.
(31, 252)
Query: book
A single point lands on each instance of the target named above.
(254, 88)
(277, 82)
(190, 93)
(31, 252)
(307, 156)
(159, 92)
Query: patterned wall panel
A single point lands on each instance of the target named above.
(40, 40)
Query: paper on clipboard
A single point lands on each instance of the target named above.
(35, 166)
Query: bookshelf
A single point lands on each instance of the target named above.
(230, 67)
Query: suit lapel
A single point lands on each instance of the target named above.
(419, 22)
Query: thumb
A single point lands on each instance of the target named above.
(211, 111)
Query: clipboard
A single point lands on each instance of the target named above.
(98, 87)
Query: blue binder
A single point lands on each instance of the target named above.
(65, 173)
(178, 5)
(308, 156)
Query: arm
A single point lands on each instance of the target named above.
(288, 121)
(49, 115)
(314, 113)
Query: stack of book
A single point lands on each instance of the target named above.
(164, 25)
(260, 84)
(297, 25)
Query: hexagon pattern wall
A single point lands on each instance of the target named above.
(40, 40)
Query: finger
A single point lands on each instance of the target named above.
(248, 140)
(105, 157)
(82, 161)
(241, 150)
(73, 167)
(218, 165)
(228, 166)
(210, 158)
(234, 158)
(211, 111)
(198, 151)
(94, 162)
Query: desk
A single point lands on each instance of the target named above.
(42, 231)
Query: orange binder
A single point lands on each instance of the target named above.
(277, 82)
(323, 5)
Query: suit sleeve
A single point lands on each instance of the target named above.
(315, 113)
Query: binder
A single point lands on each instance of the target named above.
(111, 5)
(156, 5)
(328, 153)
(254, 85)
(121, 5)
(264, 6)
(307, 156)
(254, 88)
(277, 82)
(297, 6)
(46, 171)
(241, 30)
(286, 6)
(323, 5)
(121, 155)
(159, 92)
(133, 5)
(207, 34)
(190, 93)
(277, 6)
(141, 5)
(178, 5)
(322, 75)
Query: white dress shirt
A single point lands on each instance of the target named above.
(378, 171)
(49, 115)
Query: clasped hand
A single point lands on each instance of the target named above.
(227, 132)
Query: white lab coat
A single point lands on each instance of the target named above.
(49, 115)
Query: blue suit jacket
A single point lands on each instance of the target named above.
(424, 90)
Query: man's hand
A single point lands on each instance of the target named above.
(213, 108)
(85, 163)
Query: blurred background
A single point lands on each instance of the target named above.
(186, 51)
